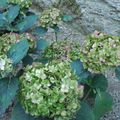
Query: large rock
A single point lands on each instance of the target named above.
(102, 15)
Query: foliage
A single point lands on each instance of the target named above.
(100, 52)
(44, 80)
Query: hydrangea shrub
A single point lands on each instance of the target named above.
(56, 81)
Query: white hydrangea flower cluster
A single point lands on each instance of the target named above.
(50, 17)
(22, 3)
(50, 90)
(100, 52)
(5, 66)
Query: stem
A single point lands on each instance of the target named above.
(87, 94)
(56, 38)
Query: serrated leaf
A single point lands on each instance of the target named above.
(42, 44)
(103, 104)
(85, 112)
(67, 18)
(40, 31)
(100, 82)
(8, 90)
(18, 51)
(117, 72)
(12, 13)
(26, 23)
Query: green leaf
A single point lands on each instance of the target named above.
(40, 31)
(18, 51)
(83, 74)
(103, 104)
(99, 81)
(27, 60)
(18, 113)
(3, 4)
(3, 21)
(12, 13)
(56, 29)
(85, 112)
(8, 90)
(77, 66)
(67, 18)
(42, 44)
(26, 23)
(117, 72)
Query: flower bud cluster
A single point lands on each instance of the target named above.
(22, 3)
(50, 90)
(63, 50)
(50, 17)
(100, 52)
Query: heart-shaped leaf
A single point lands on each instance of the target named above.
(18, 51)
(8, 90)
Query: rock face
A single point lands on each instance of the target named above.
(102, 15)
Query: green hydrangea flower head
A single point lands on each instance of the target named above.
(6, 66)
(100, 52)
(50, 90)
(50, 17)
(63, 50)
(22, 3)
